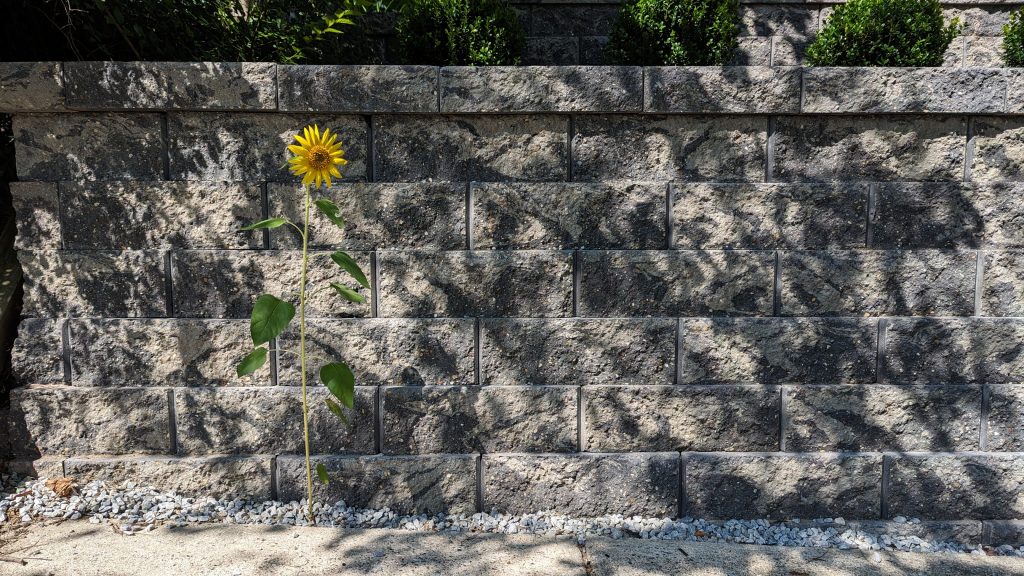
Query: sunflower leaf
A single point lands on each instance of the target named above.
(321, 471)
(348, 293)
(252, 362)
(338, 378)
(331, 211)
(348, 264)
(336, 410)
(270, 315)
(269, 223)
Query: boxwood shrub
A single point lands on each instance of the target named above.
(1013, 40)
(459, 33)
(674, 33)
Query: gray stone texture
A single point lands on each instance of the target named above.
(577, 351)
(752, 51)
(140, 215)
(70, 421)
(791, 21)
(268, 420)
(64, 147)
(689, 148)
(729, 89)
(29, 86)
(582, 484)
(766, 216)
(93, 283)
(552, 50)
(1014, 90)
(1002, 293)
(882, 418)
(676, 283)
(470, 419)
(981, 51)
(956, 486)
(625, 215)
(788, 51)
(515, 89)
(680, 418)
(251, 146)
(889, 90)
(1001, 532)
(484, 284)
(413, 352)
(161, 352)
(405, 484)
(555, 20)
(952, 351)
(845, 148)
(357, 89)
(427, 215)
(171, 85)
(877, 283)
(225, 283)
(765, 350)
(722, 486)
(37, 215)
(216, 476)
(37, 355)
(487, 148)
(1005, 418)
(998, 149)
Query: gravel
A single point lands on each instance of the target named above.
(132, 509)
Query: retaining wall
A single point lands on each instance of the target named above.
(719, 292)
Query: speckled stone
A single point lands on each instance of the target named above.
(889, 90)
(37, 355)
(216, 476)
(357, 89)
(735, 89)
(1002, 284)
(516, 89)
(29, 86)
(998, 149)
(1005, 418)
(953, 350)
(37, 215)
(956, 486)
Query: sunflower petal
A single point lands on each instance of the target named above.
(334, 172)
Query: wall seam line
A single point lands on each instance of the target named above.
(65, 342)
(979, 271)
(869, 232)
(273, 477)
(168, 285)
(172, 417)
(969, 149)
(477, 351)
(374, 285)
(580, 446)
(571, 169)
(884, 492)
(769, 155)
(783, 418)
(670, 227)
(469, 215)
(165, 159)
(371, 155)
(880, 344)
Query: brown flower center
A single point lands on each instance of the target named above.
(319, 158)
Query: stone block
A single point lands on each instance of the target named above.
(728, 89)
(981, 20)
(553, 50)
(458, 148)
(37, 356)
(956, 486)
(680, 418)
(676, 283)
(516, 89)
(626, 215)
(357, 89)
(952, 351)
(985, 52)
(31, 86)
(582, 484)
(999, 532)
(789, 51)
(998, 149)
(765, 350)
(1015, 90)
(900, 90)
(790, 21)
(576, 20)
(1001, 291)
(459, 284)
(1005, 418)
(592, 50)
(752, 51)
(216, 476)
(37, 215)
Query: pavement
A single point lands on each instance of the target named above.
(82, 549)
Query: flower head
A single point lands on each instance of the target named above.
(317, 156)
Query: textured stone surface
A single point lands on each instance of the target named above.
(269, 421)
(887, 90)
(1005, 418)
(956, 486)
(783, 486)
(64, 147)
(683, 283)
(93, 283)
(37, 356)
(69, 421)
(788, 51)
(980, 51)
(1002, 293)
(1000, 532)
(412, 352)
(217, 476)
(458, 284)
(689, 148)
(752, 51)
(844, 148)
(763, 350)
(553, 50)
(791, 21)
(685, 418)
(426, 420)
(358, 88)
(582, 484)
(541, 89)
(554, 20)
(138, 215)
(628, 215)
(405, 484)
(487, 148)
(882, 418)
(952, 350)
(577, 351)
(1015, 90)
(877, 283)
(171, 85)
(27, 86)
(167, 352)
(759, 216)
(225, 283)
(737, 89)
(249, 146)
(429, 215)
(998, 149)
(37, 215)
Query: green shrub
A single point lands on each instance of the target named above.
(884, 33)
(459, 33)
(1013, 39)
(674, 33)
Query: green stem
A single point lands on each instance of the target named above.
(302, 356)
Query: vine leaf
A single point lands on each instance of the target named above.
(338, 378)
(348, 293)
(268, 224)
(252, 362)
(270, 315)
(321, 471)
(331, 211)
(333, 406)
(348, 264)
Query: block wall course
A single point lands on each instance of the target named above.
(998, 149)
(357, 89)
(31, 86)
(740, 89)
(37, 215)
(541, 89)
(952, 350)
(1005, 426)
(38, 353)
(957, 486)
(216, 476)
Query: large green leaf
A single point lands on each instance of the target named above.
(333, 407)
(330, 209)
(338, 378)
(253, 362)
(348, 293)
(268, 224)
(270, 315)
(321, 471)
(348, 264)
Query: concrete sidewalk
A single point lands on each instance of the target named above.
(82, 549)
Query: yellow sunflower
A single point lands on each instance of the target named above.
(317, 156)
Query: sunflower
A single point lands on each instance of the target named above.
(317, 156)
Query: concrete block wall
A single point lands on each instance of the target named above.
(721, 292)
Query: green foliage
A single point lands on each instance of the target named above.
(1013, 40)
(884, 33)
(459, 33)
(674, 33)
(338, 378)
(270, 316)
(253, 362)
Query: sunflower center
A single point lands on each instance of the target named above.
(319, 158)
